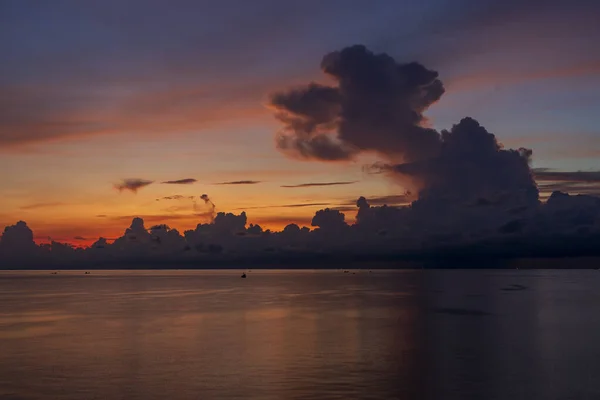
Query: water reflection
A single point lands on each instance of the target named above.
(299, 335)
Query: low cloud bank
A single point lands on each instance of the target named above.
(565, 225)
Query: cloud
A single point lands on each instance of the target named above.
(238, 183)
(160, 218)
(282, 220)
(577, 182)
(390, 200)
(298, 205)
(564, 225)
(312, 184)
(470, 165)
(329, 219)
(133, 184)
(17, 241)
(545, 174)
(377, 106)
(176, 197)
(186, 181)
(41, 205)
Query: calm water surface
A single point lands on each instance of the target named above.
(300, 335)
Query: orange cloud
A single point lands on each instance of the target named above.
(35, 206)
(34, 114)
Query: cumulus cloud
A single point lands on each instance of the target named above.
(469, 195)
(564, 225)
(132, 184)
(239, 183)
(472, 165)
(186, 181)
(17, 242)
(329, 219)
(312, 184)
(377, 105)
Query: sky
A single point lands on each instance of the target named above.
(92, 93)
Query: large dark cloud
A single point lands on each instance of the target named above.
(132, 184)
(472, 165)
(16, 243)
(377, 105)
(565, 225)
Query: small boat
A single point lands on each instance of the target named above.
(244, 275)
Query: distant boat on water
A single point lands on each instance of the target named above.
(244, 275)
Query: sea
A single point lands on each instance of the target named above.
(300, 334)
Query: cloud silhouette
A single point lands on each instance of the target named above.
(312, 184)
(17, 243)
(297, 205)
(160, 218)
(390, 200)
(186, 181)
(578, 182)
(41, 205)
(470, 197)
(133, 184)
(238, 183)
(472, 165)
(564, 225)
(546, 174)
(176, 197)
(377, 106)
